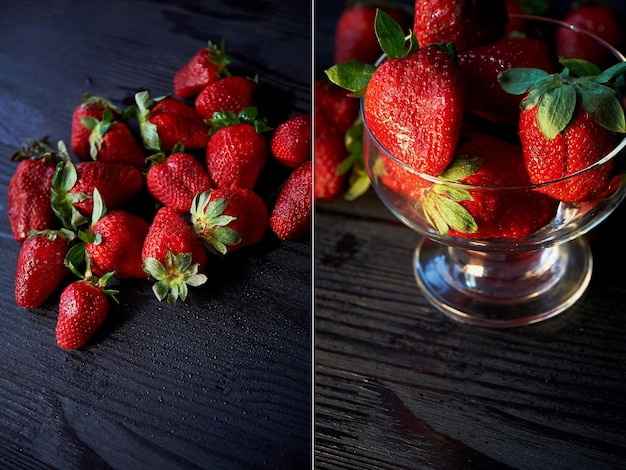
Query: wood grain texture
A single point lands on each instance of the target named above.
(222, 381)
(398, 385)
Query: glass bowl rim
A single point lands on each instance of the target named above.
(437, 180)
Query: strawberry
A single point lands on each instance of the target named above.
(29, 188)
(40, 266)
(602, 20)
(569, 121)
(237, 150)
(465, 23)
(175, 180)
(291, 215)
(233, 93)
(329, 152)
(112, 141)
(206, 66)
(173, 255)
(83, 307)
(90, 106)
(516, 27)
(489, 162)
(229, 219)
(340, 109)
(354, 32)
(114, 241)
(481, 67)
(73, 187)
(413, 102)
(166, 122)
(291, 141)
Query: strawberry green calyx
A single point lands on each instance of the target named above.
(358, 179)
(218, 56)
(64, 179)
(441, 201)
(210, 223)
(98, 129)
(148, 130)
(173, 278)
(247, 115)
(354, 75)
(557, 95)
(41, 149)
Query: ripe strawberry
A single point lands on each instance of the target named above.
(229, 219)
(487, 161)
(40, 266)
(114, 242)
(291, 141)
(166, 122)
(112, 141)
(206, 66)
(329, 152)
(414, 101)
(232, 94)
(291, 216)
(83, 307)
(602, 20)
(354, 32)
(175, 180)
(90, 106)
(465, 23)
(173, 255)
(481, 67)
(341, 109)
(237, 150)
(29, 189)
(568, 122)
(414, 107)
(73, 187)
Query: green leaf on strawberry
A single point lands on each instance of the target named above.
(211, 224)
(354, 164)
(558, 95)
(248, 115)
(173, 278)
(441, 200)
(64, 179)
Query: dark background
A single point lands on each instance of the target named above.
(221, 381)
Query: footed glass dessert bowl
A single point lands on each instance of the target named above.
(521, 256)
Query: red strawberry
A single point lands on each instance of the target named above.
(291, 216)
(91, 106)
(465, 23)
(291, 141)
(354, 32)
(499, 214)
(602, 20)
(29, 189)
(329, 152)
(568, 122)
(73, 187)
(83, 307)
(112, 141)
(173, 255)
(40, 267)
(166, 122)
(206, 66)
(237, 150)
(481, 67)
(334, 102)
(229, 219)
(232, 94)
(175, 180)
(114, 242)
(414, 107)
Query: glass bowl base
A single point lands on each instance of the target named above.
(502, 290)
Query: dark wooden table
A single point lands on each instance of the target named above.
(399, 385)
(222, 381)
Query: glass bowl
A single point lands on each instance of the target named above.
(513, 278)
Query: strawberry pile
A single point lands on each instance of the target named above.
(467, 99)
(152, 192)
